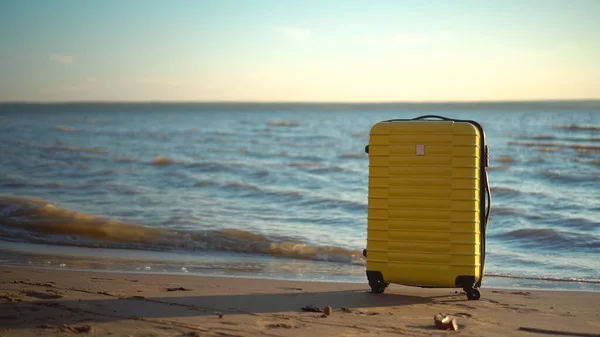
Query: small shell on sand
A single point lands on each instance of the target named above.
(444, 322)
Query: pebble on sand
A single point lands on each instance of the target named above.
(444, 322)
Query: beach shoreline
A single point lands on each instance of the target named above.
(253, 266)
(40, 302)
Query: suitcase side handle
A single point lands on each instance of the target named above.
(431, 116)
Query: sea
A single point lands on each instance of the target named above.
(279, 190)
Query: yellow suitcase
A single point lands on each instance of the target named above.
(428, 204)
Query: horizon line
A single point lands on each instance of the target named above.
(559, 100)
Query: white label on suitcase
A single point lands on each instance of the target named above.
(420, 149)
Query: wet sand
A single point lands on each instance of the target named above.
(42, 302)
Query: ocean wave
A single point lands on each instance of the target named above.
(532, 137)
(222, 133)
(158, 135)
(283, 123)
(576, 147)
(587, 150)
(126, 160)
(578, 223)
(16, 181)
(162, 161)
(333, 203)
(38, 221)
(41, 216)
(201, 166)
(298, 143)
(576, 127)
(568, 176)
(353, 155)
(92, 150)
(260, 174)
(505, 211)
(550, 149)
(506, 159)
(549, 238)
(555, 138)
(541, 278)
(221, 140)
(242, 186)
(591, 139)
(63, 128)
(327, 169)
(202, 183)
(587, 161)
(305, 164)
(211, 166)
(125, 189)
(299, 197)
(50, 149)
(504, 191)
(498, 168)
(501, 191)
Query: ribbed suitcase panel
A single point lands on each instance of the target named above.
(424, 200)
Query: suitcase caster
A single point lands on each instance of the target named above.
(378, 287)
(376, 282)
(472, 293)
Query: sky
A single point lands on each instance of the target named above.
(299, 51)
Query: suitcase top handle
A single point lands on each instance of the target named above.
(431, 116)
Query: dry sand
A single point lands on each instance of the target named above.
(38, 302)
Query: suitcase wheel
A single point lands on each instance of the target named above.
(472, 293)
(378, 287)
(376, 282)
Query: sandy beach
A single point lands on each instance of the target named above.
(43, 302)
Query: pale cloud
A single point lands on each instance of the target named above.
(62, 58)
(294, 33)
(412, 38)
